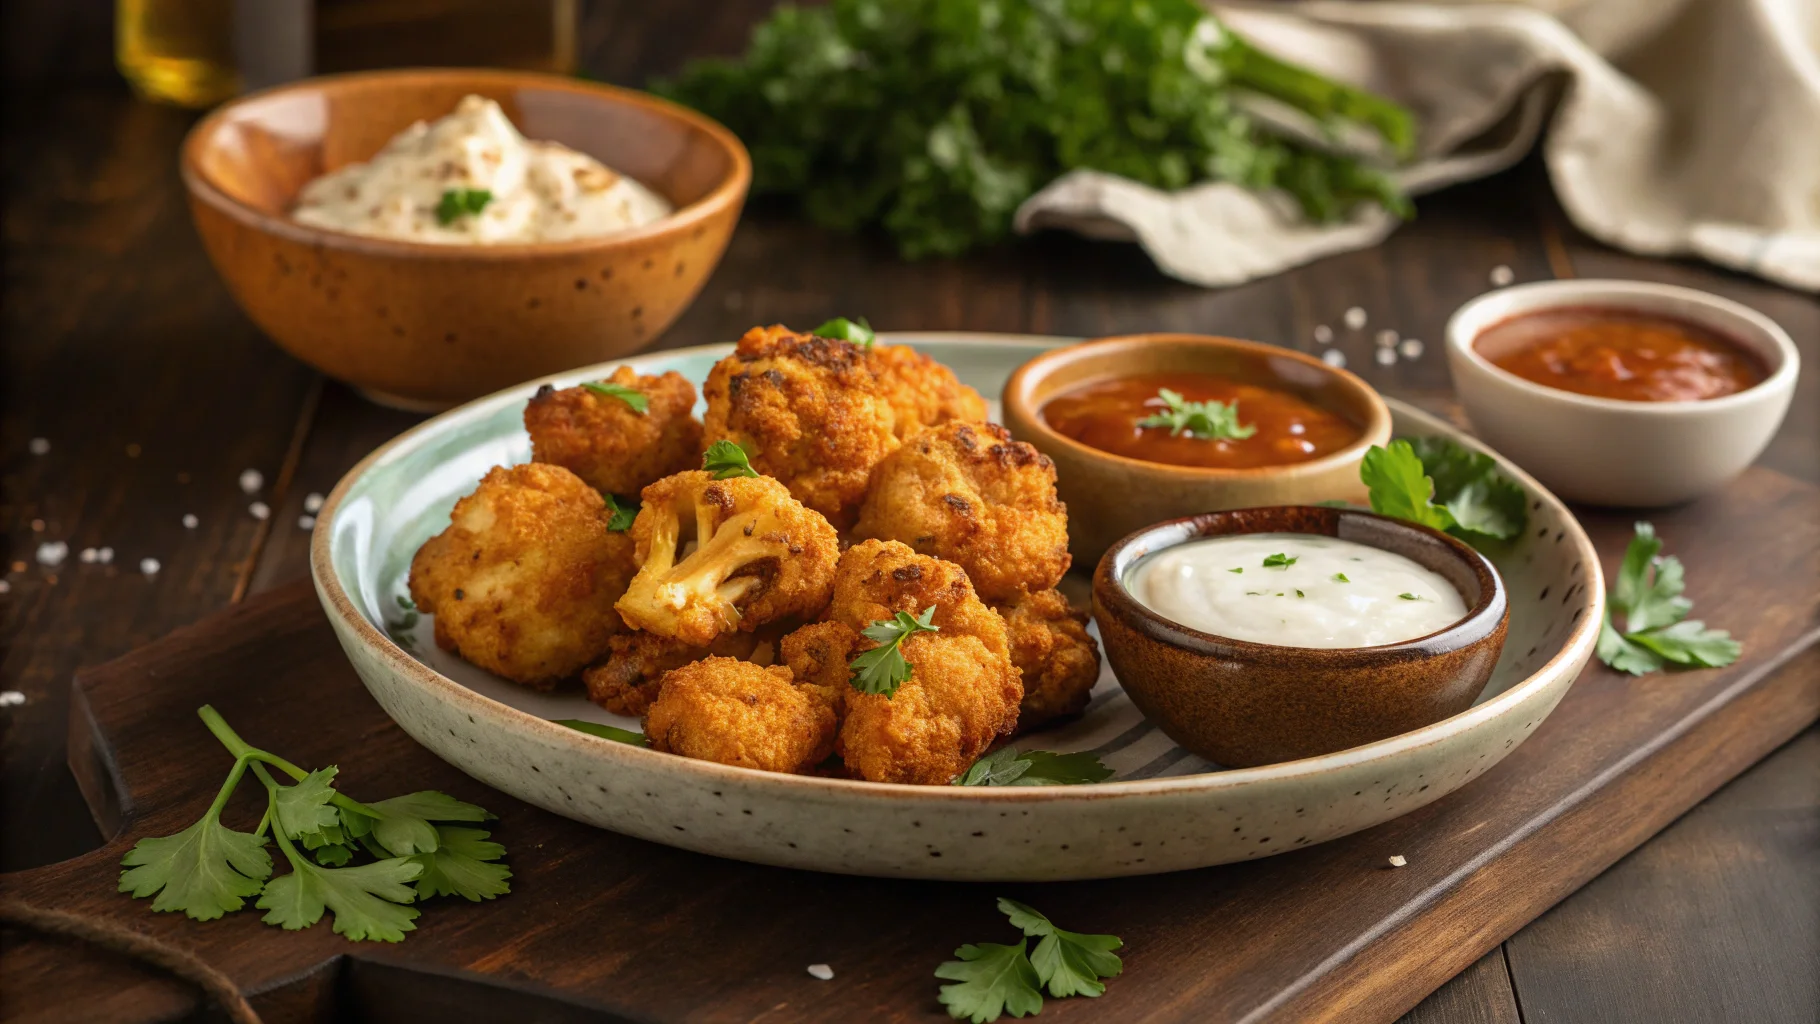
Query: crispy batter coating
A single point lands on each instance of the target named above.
(629, 679)
(522, 583)
(922, 392)
(1059, 662)
(610, 445)
(734, 712)
(719, 555)
(963, 691)
(817, 655)
(968, 493)
(811, 412)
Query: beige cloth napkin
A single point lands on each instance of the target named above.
(1674, 127)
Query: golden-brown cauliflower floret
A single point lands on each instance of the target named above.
(922, 392)
(968, 493)
(719, 555)
(963, 691)
(734, 712)
(1059, 662)
(818, 655)
(607, 442)
(810, 411)
(628, 680)
(522, 583)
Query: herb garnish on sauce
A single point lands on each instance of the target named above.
(1208, 421)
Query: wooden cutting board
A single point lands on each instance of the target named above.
(599, 926)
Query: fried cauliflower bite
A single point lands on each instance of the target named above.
(963, 691)
(719, 555)
(968, 493)
(609, 444)
(522, 583)
(923, 393)
(810, 411)
(818, 655)
(629, 679)
(734, 712)
(1058, 661)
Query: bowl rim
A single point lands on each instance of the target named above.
(354, 628)
(1027, 376)
(1482, 618)
(1471, 320)
(730, 190)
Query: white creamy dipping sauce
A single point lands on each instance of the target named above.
(1335, 593)
(471, 178)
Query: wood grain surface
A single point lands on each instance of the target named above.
(117, 333)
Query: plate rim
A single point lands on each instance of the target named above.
(1572, 656)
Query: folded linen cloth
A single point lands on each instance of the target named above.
(1675, 127)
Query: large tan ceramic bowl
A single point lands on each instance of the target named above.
(426, 326)
(1109, 496)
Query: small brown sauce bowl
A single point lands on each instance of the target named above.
(1108, 495)
(1241, 704)
(426, 326)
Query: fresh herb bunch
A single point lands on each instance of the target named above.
(935, 119)
(1207, 421)
(1657, 631)
(994, 979)
(209, 869)
(1434, 482)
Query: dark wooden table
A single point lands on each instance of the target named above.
(125, 353)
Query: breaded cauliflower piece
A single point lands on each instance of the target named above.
(810, 411)
(968, 493)
(609, 444)
(963, 691)
(522, 583)
(923, 393)
(719, 555)
(628, 680)
(734, 712)
(818, 655)
(1058, 661)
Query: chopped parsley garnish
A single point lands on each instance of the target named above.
(1279, 561)
(1007, 767)
(1208, 421)
(883, 668)
(1235, 570)
(1300, 594)
(605, 732)
(622, 511)
(726, 459)
(457, 203)
(1657, 631)
(209, 869)
(631, 396)
(1407, 596)
(1340, 577)
(1436, 483)
(994, 980)
(399, 629)
(840, 327)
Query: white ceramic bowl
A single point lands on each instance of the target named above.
(1603, 451)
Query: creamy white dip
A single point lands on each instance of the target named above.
(1336, 593)
(537, 191)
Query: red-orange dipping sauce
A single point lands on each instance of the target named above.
(1105, 415)
(1615, 353)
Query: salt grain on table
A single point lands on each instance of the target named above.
(1411, 348)
(1334, 357)
(89, 556)
(51, 553)
(1398, 860)
(1387, 338)
(6, 586)
(306, 522)
(312, 503)
(1323, 334)
(259, 509)
(105, 555)
(37, 526)
(1386, 356)
(821, 971)
(38, 446)
(1355, 318)
(251, 480)
(1502, 275)
(190, 522)
(149, 566)
(11, 698)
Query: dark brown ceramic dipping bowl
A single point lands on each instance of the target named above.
(1241, 704)
(426, 326)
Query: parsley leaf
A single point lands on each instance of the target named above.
(463, 865)
(725, 459)
(1407, 596)
(994, 980)
(1340, 577)
(303, 810)
(605, 732)
(205, 870)
(1657, 632)
(883, 668)
(1069, 963)
(1279, 561)
(840, 327)
(1400, 488)
(460, 202)
(621, 512)
(1207, 421)
(1689, 642)
(402, 824)
(367, 900)
(631, 396)
(1437, 483)
(1007, 767)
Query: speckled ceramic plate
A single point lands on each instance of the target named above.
(1165, 810)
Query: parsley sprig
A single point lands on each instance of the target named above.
(633, 397)
(1208, 421)
(996, 979)
(457, 203)
(883, 668)
(620, 512)
(1657, 631)
(1007, 767)
(209, 869)
(725, 459)
(1436, 483)
(860, 332)
(1280, 560)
